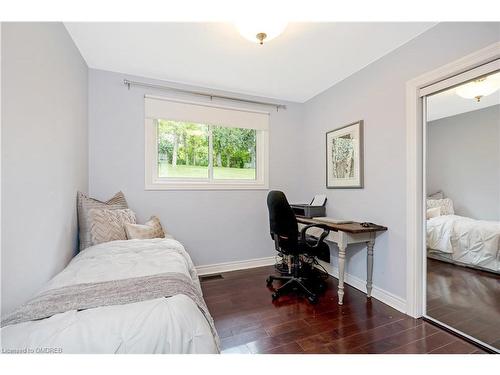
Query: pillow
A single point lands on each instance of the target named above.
(437, 195)
(84, 204)
(109, 225)
(151, 229)
(433, 212)
(446, 205)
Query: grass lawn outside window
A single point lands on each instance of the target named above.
(191, 171)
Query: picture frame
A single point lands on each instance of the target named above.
(344, 157)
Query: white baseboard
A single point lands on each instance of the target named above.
(382, 295)
(234, 266)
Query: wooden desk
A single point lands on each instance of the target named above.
(344, 235)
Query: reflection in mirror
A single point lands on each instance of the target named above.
(463, 208)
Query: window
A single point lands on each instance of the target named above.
(183, 149)
(200, 146)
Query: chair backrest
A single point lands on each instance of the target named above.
(282, 221)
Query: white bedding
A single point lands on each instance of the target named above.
(465, 240)
(163, 325)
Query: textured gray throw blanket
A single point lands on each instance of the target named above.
(107, 293)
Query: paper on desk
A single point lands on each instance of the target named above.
(333, 220)
(319, 200)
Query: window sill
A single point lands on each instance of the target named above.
(206, 186)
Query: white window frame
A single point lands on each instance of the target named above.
(154, 182)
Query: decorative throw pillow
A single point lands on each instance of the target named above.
(433, 212)
(446, 205)
(85, 203)
(437, 195)
(151, 229)
(109, 225)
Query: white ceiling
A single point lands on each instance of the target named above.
(305, 60)
(447, 103)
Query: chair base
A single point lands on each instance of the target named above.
(292, 283)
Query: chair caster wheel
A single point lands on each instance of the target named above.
(274, 296)
(269, 281)
(313, 300)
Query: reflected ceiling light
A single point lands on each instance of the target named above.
(478, 88)
(260, 30)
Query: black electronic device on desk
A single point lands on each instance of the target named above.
(314, 209)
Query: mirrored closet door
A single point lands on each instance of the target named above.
(462, 226)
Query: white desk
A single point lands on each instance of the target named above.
(344, 235)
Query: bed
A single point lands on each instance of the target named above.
(148, 323)
(464, 241)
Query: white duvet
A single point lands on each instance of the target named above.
(163, 325)
(466, 240)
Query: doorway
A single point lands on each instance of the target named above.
(461, 160)
(419, 90)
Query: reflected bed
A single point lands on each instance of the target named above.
(464, 241)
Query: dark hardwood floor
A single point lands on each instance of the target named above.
(248, 322)
(466, 299)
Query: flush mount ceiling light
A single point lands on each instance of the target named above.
(260, 31)
(478, 88)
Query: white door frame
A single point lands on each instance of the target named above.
(415, 208)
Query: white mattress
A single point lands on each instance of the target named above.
(163, 325)
(465, 240)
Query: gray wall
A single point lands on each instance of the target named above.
(463, 160)
(214, 226)
(44, 154)
(376, 94)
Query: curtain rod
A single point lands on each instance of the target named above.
(129, 83)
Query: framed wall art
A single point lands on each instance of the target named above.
(344, 157)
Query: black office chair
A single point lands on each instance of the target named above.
(285, 233)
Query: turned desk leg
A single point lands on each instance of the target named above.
(369, 266)
(342, 248)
